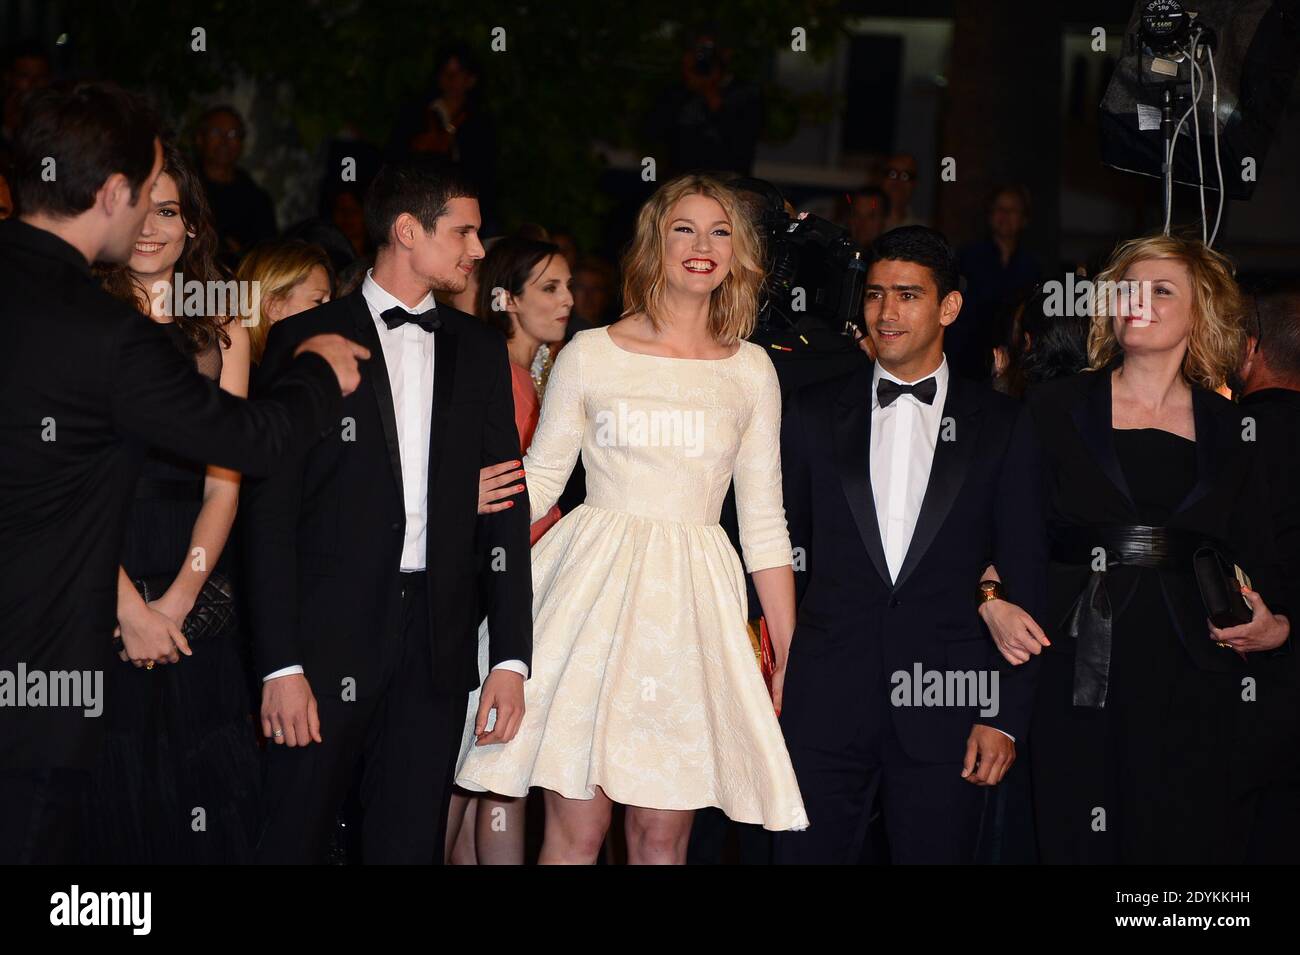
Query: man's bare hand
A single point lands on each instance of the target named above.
(289, 707)
(989, 754)
(1014, 631)
(503, 691)
(342, 354)
(496, 483)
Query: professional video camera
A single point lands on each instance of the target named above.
(815, 272)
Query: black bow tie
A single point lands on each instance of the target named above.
(887, 391)
(397, 316)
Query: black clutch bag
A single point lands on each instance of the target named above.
(1220, 582)
(213, 613)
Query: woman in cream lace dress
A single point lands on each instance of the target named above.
(644, 689)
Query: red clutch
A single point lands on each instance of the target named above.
(763, 651)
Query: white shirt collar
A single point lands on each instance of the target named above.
(940, 376)
(381, 300)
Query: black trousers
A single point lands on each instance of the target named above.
(406, 738)
(40, 815)
(848, 759)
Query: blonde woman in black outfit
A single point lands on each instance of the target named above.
(1143, 705)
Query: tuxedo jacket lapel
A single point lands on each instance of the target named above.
(852, 440)
(947, 470)
(377, 375)
(1208, 444)
(1092, 417)
(446, 352)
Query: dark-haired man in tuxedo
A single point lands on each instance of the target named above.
(87, 385)
(903, 482)
(1268, 388)
(361, 562)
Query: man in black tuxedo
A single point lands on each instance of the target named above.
(1268, 383)
(903, 483)
(87, 385)
(361, 562)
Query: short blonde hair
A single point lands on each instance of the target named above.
(733, 305)
(1215, 343)
(278, 267)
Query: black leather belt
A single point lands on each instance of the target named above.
(1090, 619)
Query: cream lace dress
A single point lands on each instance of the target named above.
(643, 677)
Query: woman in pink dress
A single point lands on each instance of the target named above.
(523, 291)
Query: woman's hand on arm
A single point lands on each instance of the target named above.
(1016, 634)
(496, 485)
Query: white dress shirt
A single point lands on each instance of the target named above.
(903, 439)
(408, 356)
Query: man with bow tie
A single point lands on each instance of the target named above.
(903, 484)
(362, 562)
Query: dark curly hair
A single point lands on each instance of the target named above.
(198, 260)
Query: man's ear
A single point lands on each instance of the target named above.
(405, 230)
(114, 194)
(949, 307)
(1251, 356)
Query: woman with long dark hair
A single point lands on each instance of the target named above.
(177, 781)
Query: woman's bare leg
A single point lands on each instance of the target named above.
(575, 829)
(658, 836)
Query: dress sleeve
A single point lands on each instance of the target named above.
(558, 437)
(764, 539)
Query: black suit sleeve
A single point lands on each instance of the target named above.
(796, 488)
(508, 592)
(268, 514)
(160, 398)
(1020, 555)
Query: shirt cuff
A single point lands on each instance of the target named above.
(287, 671)
(1003, 732)
(514, 666)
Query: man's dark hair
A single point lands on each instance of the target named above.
(1278, 328)
(1058, 344)
(924, 246)
(420, 186)
(91, 131)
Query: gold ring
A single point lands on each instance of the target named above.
(149, 665)
(1224, 645)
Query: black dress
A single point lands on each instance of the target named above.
(177, 781)
(1164, 772)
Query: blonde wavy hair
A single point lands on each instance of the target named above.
(733, 305)
(278, 267)
(1215, 343)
